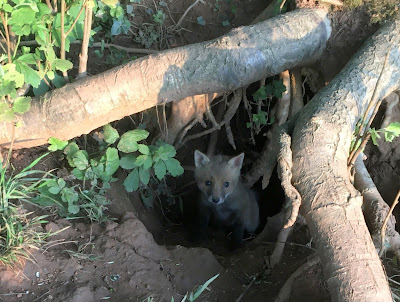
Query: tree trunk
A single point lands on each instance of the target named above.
(235, 60)
(321, 141)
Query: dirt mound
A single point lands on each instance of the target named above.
(119, 261)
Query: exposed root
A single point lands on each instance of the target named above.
(285, 164)
(283, 104)
(375, 210)
(280, 246)
(185, 114)
(233, 106)
(384, 226)
(296, 92)
(286, 290)
(214, 136)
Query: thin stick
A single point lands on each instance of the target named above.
(383, 229)
(352, 158)
(184, 14)
(246, 290)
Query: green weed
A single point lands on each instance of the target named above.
(18, 232)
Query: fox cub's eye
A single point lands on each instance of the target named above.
(226, 184)
(208, 183)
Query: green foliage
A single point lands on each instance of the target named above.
(262, 97)
(275, 89)
(18, 232)
(146, 165)
(39, 66)
(192, 296)
(390, 133)
(201, 21)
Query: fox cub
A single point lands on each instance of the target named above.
(225, 202)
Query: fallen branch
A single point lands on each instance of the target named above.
(91, 102)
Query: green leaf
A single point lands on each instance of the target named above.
(201, 21)
(22, 104)
(260, 94)
(260, 117)
(31, 76)
(392, 131)
(110, 134)
(144, 149)
(7, 8)
(6, 113)
(144, 176)
(22, 15)
(128, 162)
(112, 161)
(79, 174)
(73, 209)
(131, 182)
(147, 163)
(174, 167)
(80, 159)
(374, 136)
(69, 151)
(62, 65)
(226, 23)
(56, 144)
(140, 160)
(138, 134)
(110, 3)
(164, 152)
(128, 142)
(28, 58)
(279, 88)
(159, 169)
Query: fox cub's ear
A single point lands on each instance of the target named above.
(237, 161)
(200, 159)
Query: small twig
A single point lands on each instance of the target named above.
(76, 19)
(286, 289)
(246, 290)
(185, 13)
(3, 19)
(363, 133)
(383, 230)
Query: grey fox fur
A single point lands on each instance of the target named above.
(224, 202)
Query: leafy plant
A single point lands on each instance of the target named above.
(192, 296)
(145, 163)
(262, 98)
(18, 232)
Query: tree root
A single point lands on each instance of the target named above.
(375, 210)
(285, 174)
(293, 198)
(233, 106)
(185, 114)
(286, 290)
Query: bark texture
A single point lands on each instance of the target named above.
(235, 60)
(321, 140)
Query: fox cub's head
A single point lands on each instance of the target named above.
(217, 177)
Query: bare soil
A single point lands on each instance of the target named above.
(139, 254)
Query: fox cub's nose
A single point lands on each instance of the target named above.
(215, 199)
